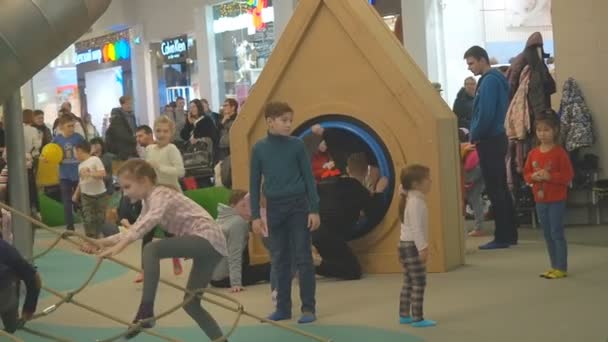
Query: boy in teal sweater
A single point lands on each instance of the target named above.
(292, 208)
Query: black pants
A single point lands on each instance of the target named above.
(252, 274)
(492, 154)
(9, 308)
(339, 261)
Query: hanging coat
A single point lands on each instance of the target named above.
(517, 122)
(576, 122)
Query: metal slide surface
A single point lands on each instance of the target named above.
(34, 32)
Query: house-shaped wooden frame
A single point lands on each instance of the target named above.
(338, 57)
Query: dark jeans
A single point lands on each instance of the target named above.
(339, 261)
(551, 217)
(492, 153)
(9, 308)
(67, 191)
(288, 226)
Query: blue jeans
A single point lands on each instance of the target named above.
(290, 238)
(67, 191)
(551, 217)
(273, 273)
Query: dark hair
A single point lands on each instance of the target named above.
(65, 118)
(172, 104)
(357, 163)
(145, 128)
(84, 146)
(180, 98)
(275, 109)
(549, 118)
(409, 175)
(124, 99)
(236, 196)
(233, 104)
(28, 116)
(138, 169)
(478, 53)
(99, 141)
(199, 107)
(38, 112)
(462, 136)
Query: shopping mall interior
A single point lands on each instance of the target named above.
(387, 84)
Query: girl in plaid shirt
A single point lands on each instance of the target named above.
(196, 236)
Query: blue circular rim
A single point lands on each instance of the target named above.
(383, 163)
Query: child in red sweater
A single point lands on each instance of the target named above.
(549, 170)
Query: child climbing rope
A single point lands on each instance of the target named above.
(197, 236)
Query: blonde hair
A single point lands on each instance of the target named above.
(409, 175)
(164, 120)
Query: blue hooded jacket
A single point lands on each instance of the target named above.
(490, 106)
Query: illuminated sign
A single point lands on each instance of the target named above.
(174, 49)
(111, 52)
(243, 21)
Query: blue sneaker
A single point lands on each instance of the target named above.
(307, 317)
(405, 320)
(494, 245)
(279, 316)
(425, 323)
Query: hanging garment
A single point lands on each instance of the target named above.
(576, 121)
(517, 122)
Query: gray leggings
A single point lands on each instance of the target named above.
(204, 259)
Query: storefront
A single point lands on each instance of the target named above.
(54, 84)
(103, 67)
(243, 38)
(176, 69)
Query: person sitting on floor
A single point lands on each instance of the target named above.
(234, 271)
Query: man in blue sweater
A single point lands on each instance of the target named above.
(13, 269)
(292, 208)
(488, 133)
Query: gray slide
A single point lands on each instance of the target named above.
(34, 32)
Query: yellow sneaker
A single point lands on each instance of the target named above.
(547, 273)
(557, 274)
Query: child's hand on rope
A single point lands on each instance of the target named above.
(125, 223)
(89, 248)
(114, 250)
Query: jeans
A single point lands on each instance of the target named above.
(551, 217)
(290, 237)
(473, 195)
(492, 153)
(273, 270)
(67, 191)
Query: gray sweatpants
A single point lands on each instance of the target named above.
(204, 260)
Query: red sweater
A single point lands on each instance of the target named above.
(318, 160)
(555, 161)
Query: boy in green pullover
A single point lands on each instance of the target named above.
(292, 208)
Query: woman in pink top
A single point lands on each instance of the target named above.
(196, 236)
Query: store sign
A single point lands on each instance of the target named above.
(247, 21)
(174, 49)
(111, 52)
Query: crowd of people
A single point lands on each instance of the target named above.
(317, 192)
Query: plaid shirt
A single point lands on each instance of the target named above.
(176, 214)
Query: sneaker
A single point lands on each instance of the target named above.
(307, 317)
(406, 320)
(279, 316)
(557, 274)
(494, 245)
(177, 267)
(547, 273)
(425, 323)
(139, 278)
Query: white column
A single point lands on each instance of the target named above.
(205, 51)
(143, 99)
(283, 9)
(414, 15)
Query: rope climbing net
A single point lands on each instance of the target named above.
(208, 295)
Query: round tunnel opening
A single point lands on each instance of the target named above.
(354, 136)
